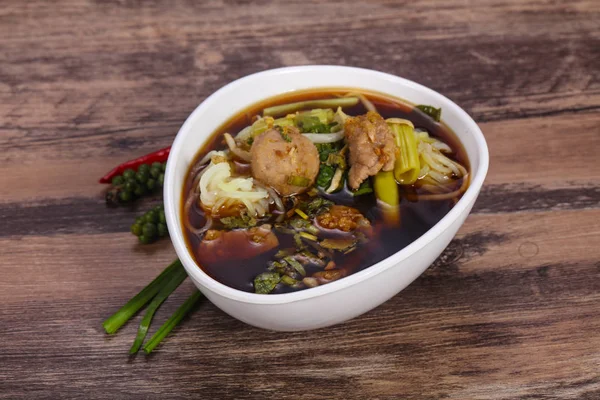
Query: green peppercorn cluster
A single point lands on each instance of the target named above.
(151, 226)
(134, 184)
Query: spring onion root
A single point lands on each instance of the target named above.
(168, 326)
(284, 109)
(173, 283)
(118, 319)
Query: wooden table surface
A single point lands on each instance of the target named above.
(510, 311)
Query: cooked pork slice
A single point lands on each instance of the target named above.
(372, 147)
(345, 219)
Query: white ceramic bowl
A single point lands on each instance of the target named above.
(360, 292)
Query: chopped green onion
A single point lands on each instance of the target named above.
(282, 253)
(288, 280)
(340, 244)
(284, 109)
(172, 322)
(296, 180)
(308, 236)
(407, 166)
(435, 113)
(300, 224)
(283, 229)
(301, 213)
(297, 266)
(364, 188)
(298, 242)
(118, 319)
(165, 292)
(312, 229)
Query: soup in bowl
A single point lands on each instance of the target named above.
(301, 197)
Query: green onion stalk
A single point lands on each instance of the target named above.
(386, 191)
(172, 322)
(406, 167)
(118, 319)
(284, 109)
(176, 279)
(155, 294)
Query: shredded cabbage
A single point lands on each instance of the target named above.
(219, 188)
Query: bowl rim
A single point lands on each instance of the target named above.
(209, 283)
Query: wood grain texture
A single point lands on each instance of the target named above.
(511, 310)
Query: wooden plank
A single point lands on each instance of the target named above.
(508, 241)
(460, 330)
(509, 311)
(131, 65)
(526, 156)
(89, 215)
(551, 151)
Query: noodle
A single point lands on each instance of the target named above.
(445, 196)
(363, 99)
(217, 188)
(244, 155)
(186, 221)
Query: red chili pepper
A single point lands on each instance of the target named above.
(157, 156)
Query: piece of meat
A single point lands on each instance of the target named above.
(275, 160)
(239, 244)
(345, 219)
(372, 147)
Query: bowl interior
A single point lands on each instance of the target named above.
(244, 92)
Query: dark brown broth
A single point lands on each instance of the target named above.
(417, 217)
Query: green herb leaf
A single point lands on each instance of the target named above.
(325, 149)
(364, 188)
(244, 221)
(297, 266)
(316, 206)
(266, 282)
(325, 175)
(283, 133)
(311, 124)
(435, 113)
